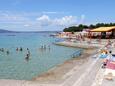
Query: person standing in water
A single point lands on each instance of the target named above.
(7, 52)
(49, 47)
(17, 49)
(44, 47)
(27, 55)
(2, 49)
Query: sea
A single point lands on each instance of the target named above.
(43, 54)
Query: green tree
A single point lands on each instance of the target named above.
(81, 27)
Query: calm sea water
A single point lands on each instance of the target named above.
(14, 65)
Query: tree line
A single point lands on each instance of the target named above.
(81, 27)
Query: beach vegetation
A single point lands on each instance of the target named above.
(91, 26)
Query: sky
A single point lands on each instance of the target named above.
(53, 15)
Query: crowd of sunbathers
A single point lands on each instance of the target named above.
(108, 61)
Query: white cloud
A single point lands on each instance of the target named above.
(43, 18)
(50, 12)
(43, 22)
(66, 21)
(10, 17)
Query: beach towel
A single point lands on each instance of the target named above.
(107, 71)
(111, 65)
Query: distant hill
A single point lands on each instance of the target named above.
(5, 31)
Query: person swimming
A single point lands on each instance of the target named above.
(27, 48)
(21, 49)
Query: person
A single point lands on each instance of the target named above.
(42, 47)
(21, 49)
(27, 55)
(17, 49)
(45, 47)
(104, 63)
(27, 48)
(110, 66)
(103, 53)
(2, 49)
(109, 55)
(49, 47)
(7, 52)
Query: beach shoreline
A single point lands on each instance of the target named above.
(71, 71)
(58, 73)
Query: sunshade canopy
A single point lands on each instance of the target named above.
(103, 29)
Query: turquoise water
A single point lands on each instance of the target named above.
(14, 65)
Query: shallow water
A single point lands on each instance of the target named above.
(14, 65)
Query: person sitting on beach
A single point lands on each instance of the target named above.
(110, 66)
(103, 53)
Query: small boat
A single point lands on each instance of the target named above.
(53, 34)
